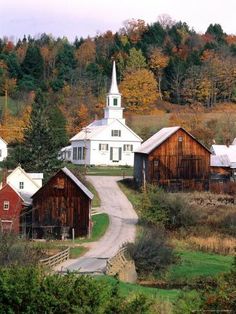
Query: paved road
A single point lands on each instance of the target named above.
(121, 229)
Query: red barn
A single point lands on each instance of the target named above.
(11, 206)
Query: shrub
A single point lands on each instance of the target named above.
(151, 252)
(173, 210)
(28, 290)
(14, 251)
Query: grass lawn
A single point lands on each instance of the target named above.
(96, 202)
(128, 288)
(77, 251)
(100, 225)
(110, 171)
(194, 264)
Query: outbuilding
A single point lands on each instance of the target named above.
(61, 205)
(174, 159)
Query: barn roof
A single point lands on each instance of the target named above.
(229, 151)
(77, 182)
(69, 174)
(220, 161)
(158, 138)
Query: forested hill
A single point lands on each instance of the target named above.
(160, 61)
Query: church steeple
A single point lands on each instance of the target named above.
(113, 108)
(114, 87)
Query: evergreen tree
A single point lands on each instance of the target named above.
(33, 62)
(43, 138)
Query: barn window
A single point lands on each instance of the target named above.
(155, 163)
(180, 139)
(21, 185)
(116, 133)
(103, 147)
(128, 148)
(6, 205)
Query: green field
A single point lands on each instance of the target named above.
(128, 288)
(194, 264)
(75, 252)
(110, 171)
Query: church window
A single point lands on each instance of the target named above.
(75, 155)
(128, 148)
(116, 133)
(115, 102)
(103, 147)
(81, 153)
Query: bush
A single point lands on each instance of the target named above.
(173, 210)
(28, 290)
(151, 252)
(14, 251)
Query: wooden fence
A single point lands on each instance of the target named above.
(56, 259)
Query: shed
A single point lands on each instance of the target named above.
(174, 159)
(60, 205)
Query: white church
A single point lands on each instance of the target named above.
(108, 141)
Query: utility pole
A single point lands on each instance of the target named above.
(86, 131)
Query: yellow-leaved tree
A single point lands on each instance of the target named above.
(139, 90)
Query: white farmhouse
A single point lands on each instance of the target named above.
(3, 149)
(25, 183)
(108, 141)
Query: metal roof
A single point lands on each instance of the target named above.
(155, 140)
(230, 151)
(77, 182)
(220, 161)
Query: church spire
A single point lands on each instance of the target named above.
(114, 87)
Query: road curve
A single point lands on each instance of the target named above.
(121, 228)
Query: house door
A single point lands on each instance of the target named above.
(115, 154)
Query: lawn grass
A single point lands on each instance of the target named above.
(96, 201)
(194, 264)
(133, 195)
(100, 225)
(128, 288)
(110, 171)
(75, 252)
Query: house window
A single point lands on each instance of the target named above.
(0, 153)
(6, 205)
(128, 148)
(116, 133)
(115, 102)
(81, 153)
(103, 147)
(75, 155)
(21, 185)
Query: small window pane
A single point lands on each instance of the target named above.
(21, 185)
(115, 102)
(6, 205)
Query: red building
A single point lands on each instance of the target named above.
(11, 205)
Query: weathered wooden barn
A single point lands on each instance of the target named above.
(62, 204)
(174, 159)
(11, 206)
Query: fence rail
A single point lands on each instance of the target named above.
(56, 259)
